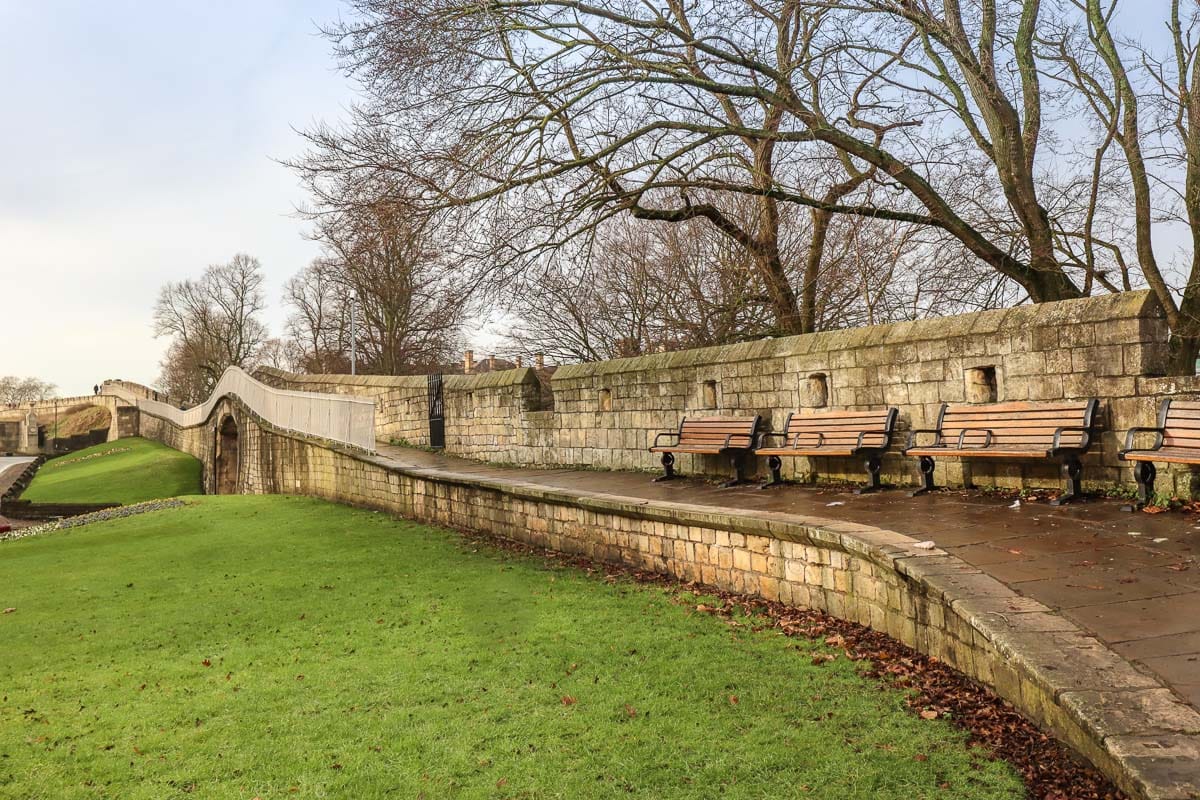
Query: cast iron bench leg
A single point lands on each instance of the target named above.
(739, 469)
(668, 462)
(1144, 473)
(926, 466)
(1071, 469)
(874, 465)
(775, 464)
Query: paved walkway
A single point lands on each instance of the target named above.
(1131, 580)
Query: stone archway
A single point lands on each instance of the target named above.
(226, 462)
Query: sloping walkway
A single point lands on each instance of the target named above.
(1131, 580)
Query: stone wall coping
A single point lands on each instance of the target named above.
(1124, 305)
(483, 380)
(269, 374)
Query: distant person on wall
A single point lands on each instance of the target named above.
(96, 389)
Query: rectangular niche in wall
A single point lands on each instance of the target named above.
(708, 395)
(815, 392)
(606, 399)
(981, 385)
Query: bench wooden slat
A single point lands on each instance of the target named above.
(833, 452)
(981, 452)
(1015, 424)
(1033, 406)
(1168, 455)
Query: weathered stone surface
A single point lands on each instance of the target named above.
(1143, 711)
(1161, 767)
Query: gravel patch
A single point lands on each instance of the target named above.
(96, 516)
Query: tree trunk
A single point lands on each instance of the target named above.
(812, 268)
(1184, 344)
(1045, 286)
(784, 307)
(1184, 348)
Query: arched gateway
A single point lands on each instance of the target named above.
(226, 461)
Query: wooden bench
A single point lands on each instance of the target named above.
(841, 434)
(1176, 441)
(1060, 430)
(732, 436)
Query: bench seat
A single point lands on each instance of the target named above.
(732, 436)
(837, 434)
(1018, 430)
(705, 451)
(1176, 441)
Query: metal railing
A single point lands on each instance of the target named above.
(340, 418)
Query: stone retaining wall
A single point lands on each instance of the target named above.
(1056, 674)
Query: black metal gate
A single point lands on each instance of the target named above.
(437, 413)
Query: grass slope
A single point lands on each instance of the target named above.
(279, 647)
(75, 420)
(125, 471)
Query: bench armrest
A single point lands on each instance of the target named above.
(670, 434)
(912, 437)
(749, 437)
(1083, 445)
(820, 439)
(1159, 433)
(987, 442)
(885, 438)
(763, 436)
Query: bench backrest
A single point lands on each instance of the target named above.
(1017, 426)
(841, 429)
(1180, 421)
(715, 431)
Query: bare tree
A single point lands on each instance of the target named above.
(590, 110)
(318, 327)
(213, 323)
(410, 301)
(642, 287)
(17, 391)
(1146, 110)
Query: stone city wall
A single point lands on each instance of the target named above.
(605, 414)
(481, 411)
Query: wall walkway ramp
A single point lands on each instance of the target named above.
(333, 417)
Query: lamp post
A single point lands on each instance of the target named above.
(353, 333)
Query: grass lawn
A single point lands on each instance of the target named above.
(280, 647)
(125, 471)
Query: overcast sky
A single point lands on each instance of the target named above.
(137, 146)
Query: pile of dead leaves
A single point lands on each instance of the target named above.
(1050, 770)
